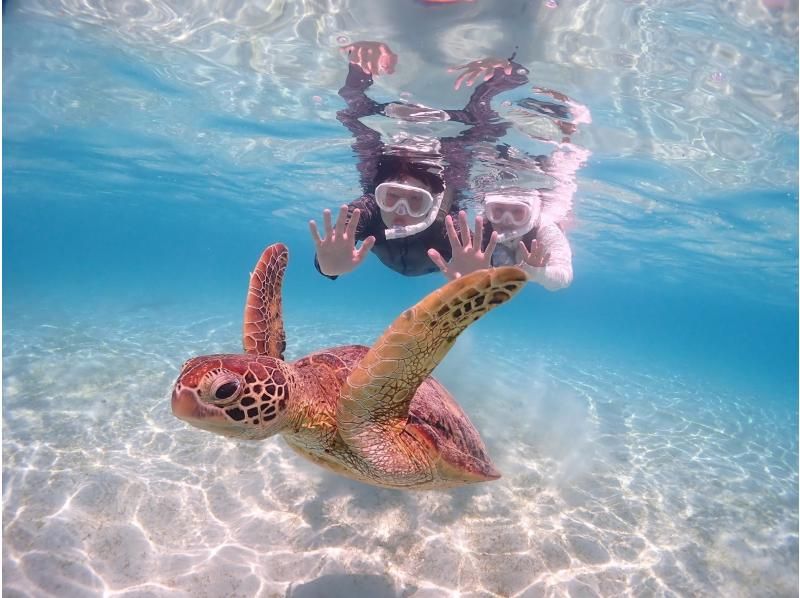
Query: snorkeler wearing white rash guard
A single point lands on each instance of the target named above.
(516, 214)
(521, 227)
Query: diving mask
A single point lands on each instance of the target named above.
(513, 216)
(407, 200)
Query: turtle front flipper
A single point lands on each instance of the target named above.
(373, 410)
(263, 320)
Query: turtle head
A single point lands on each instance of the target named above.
(243, 396)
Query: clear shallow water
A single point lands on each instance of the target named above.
(644, 419)
(614, 481)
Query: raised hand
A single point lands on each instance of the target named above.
(556, 95)
(337, 253)
(476, 68)
(466, 251)
(537, 256)
(374, 58)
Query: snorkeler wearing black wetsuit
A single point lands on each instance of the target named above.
(441, 171)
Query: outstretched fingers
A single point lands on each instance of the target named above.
(437, 259)
(374, 60)
(361, 59)
(469, 76)
(478, 240)
(341, 220)
(326, 223)
(537, 256)
(491, 244)
(452, 235)
(464, 224)
(364, 249)
(474, 76)
(352, 225)
(453, 69)
(312, 226)
(388, 60)
(524, 250)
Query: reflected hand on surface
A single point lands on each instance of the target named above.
(467, 255)
(537, 257)
(556, 95)
(374, 58)
(579, 114)
(336, 252)
(476, 68)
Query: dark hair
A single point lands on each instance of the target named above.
(390, 167)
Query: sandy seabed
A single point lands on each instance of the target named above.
(616, 483)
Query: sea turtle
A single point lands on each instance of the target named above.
(372, 414)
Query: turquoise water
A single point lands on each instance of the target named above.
(644, 419)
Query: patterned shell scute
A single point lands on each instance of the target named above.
(339, 360)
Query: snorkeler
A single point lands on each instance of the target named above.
(522, 226)
(520, 223)
(411, 183)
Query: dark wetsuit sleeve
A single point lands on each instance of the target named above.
(367, 143)
(316, 265)
(352, 92)
(369, 223)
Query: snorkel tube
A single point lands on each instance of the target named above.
(400, 232)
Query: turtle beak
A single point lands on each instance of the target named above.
(187, 406)
(184, 403)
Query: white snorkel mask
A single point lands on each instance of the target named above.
(514, 212)
(407, 200)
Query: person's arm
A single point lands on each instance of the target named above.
(353, 93)
(367, 144)
(506, 75)
(576, 113)
(562, 167)
(366, 59)
(556, 273)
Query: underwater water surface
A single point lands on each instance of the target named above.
(644, 419)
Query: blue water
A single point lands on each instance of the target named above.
(645, 418)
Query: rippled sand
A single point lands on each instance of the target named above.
(615, 483)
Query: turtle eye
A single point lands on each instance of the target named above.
(225, 388)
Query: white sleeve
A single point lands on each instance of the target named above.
(562, 166)
(557, 274)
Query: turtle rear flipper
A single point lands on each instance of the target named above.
(263, 332)
(373, 411)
